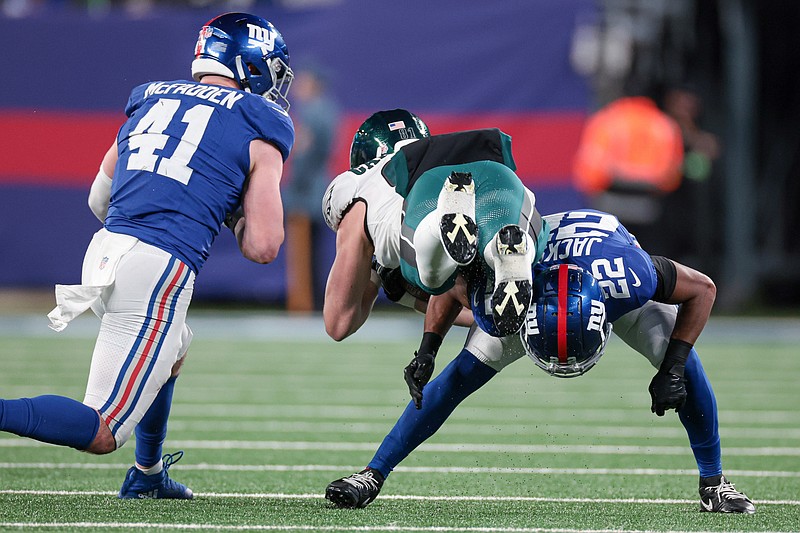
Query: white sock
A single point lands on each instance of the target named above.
(153, 470)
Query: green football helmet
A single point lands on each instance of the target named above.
(378, 134)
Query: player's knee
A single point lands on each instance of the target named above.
(103, 443)
(176, 368)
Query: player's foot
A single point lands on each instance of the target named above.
(140, 486)
(355, 491)
(717, 495)
(513, 280)
(457, 224)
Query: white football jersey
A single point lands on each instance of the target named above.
(384, 207)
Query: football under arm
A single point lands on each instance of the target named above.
(259, 232)
(100, 192)
(351, 289)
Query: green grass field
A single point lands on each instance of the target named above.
(268, 411)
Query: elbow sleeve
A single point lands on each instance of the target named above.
(100, 195)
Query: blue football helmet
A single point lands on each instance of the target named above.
(378, 134)
(566, 328)
(248, 49)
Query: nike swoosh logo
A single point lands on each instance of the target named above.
(707, 507)
(637, 282)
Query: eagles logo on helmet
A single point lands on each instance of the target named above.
(566, 328)
(248, 49)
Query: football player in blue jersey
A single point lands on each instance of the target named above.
(592, 271)
(192, 155)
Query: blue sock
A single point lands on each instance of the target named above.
(463, 376)
(151, 432)
(53, 419)
(699, 417)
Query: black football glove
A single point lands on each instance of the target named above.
(668, 386)
(391, 281)
(420, 369)
(417, 374)
(668, 391)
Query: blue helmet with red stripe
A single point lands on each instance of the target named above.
(566, 328)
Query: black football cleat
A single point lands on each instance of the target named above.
(513, 287)
(723, 497)
(459, 233)
(355, 491)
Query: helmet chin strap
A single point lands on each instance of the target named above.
(240, 70)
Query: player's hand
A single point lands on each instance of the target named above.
(668, 391)
(233, 218)
(391, 281)
(417, 374)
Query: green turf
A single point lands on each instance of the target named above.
(267, 423)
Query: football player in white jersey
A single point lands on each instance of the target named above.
(401, 204)
(192, 155)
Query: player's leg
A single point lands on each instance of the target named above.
(647, 330)
(509, 229)
(481, 359)
(699, 417)
(56, 420)
(151, 432)
(463, 376)
(425, 261)
(141, 335)
(435, 269)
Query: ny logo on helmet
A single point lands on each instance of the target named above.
(598, 317)
(263, 37)
(531, 322)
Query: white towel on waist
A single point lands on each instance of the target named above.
(99, 271)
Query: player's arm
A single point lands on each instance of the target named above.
(695, 292)
(351, 289)
(442, 312)
(259, 229)
(100, 192)
(400, 291)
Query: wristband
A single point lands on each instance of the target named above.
(675, 357)
(430, 343)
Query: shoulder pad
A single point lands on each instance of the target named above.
(338, 197)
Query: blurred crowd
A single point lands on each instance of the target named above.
(25, 8)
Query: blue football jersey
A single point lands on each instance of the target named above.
(184, 155)
(597, 242)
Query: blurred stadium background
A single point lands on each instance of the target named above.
(535, 68)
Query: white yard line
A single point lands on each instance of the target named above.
(411, 469)
(221, 527)
(583, 449)
(480, 498)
